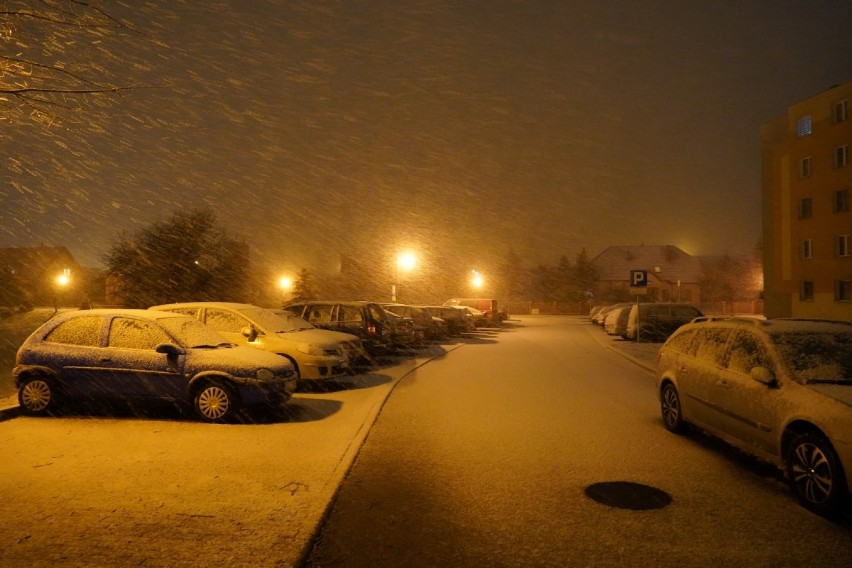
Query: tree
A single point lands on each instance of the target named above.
(187, 258)
(57, 57)
(512, 276)
(585, 275)
(305, 287)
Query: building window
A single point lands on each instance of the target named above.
(841, 156)
(804, 126)
(807, 248)
(839, 114)
(806, 292)
(806, 208)
(842, 245)
(805, 168)
(841, 200)
(843, 290)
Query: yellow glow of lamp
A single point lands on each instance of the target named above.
(406, 261)
(476, 279)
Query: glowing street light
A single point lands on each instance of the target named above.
(62, 281)
(476, 279)
(405, 261)
(285, 284)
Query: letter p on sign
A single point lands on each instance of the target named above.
(638, 278)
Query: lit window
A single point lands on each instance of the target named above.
(805, 168)
(841, 156)
(806, 292)
(804, 126)
(840, 111)
(843, 291)
(807, 248)
(841, 200)
(842, 245)
(806, 208)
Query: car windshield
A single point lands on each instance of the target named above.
(192, 333)
(276, 322)
(815, 357)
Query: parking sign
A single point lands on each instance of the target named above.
(638, 278)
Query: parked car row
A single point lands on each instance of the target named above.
(215, 356)
(644, 321)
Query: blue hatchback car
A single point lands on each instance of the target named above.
(141, 354)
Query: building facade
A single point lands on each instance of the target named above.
(807, 222)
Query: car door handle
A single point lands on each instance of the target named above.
(724, 384)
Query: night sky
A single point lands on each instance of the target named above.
(457, 129)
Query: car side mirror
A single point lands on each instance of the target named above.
(169, 349)
(764, 376)
(249, 332)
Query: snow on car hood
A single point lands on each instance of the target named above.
(317, 336)
(842, 393)
(238, 360)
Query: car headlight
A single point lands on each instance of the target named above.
(265, 375)
(311, 349)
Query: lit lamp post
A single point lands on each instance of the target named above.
(476, 280)
(404, 262)
(61, 283)
(285, 283)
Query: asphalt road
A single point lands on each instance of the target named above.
(488, 457)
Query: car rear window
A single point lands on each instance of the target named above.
(78, 331)
(710, 344)
(681, 341)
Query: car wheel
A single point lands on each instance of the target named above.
(814, 473)
(215, 402)
(671, 409)
(36, 396)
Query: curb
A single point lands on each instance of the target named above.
(9, 412)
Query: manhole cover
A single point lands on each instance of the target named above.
(628, 495)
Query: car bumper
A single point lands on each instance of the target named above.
(267, 392)
(323, 368)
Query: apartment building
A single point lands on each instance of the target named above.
(807, 221)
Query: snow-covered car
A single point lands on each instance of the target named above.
(456, 318)
(657, 321)
(429, 326)
(780, 390)
(144, 354)
(367, 320)
(316, 354)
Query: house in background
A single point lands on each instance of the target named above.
(42, 276)
(807, 218)
(673, 275)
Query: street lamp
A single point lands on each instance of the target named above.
(285, 283)
(61, 282)
(476, 279)
(405, 261)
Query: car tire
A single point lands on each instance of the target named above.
(671, 409)
(815, 474)
(37, 396)
(215, 402)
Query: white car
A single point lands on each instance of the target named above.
(316, 354)
(780, 390)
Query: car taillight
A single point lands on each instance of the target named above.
(372, 329)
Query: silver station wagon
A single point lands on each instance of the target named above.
(140, 354)
(778, 389)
